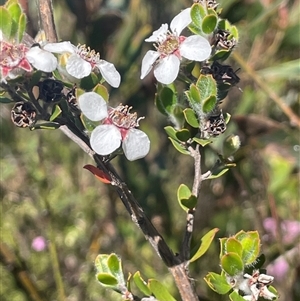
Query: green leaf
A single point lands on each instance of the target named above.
(88, 82)
(167, 99)
(159, 291)
(179, 147)
(195, 29)
(185, 198)
(107, 279)
(46, 126)
(202, 142)
(234, 246)
(171, 132)
(15, 12)
(232, 264)
(216, 173)
(209, 24)
(88, 124)
(221, 54)
(234, 296)
(10, 2)
(222, 246)
(102, 91)
(256, 265)
(183, 192)
(250, 242)
(6, 22)
(141, 284)
(217, 283)
(209, 104)
(114, 265)
(5, 100)
(206, 241)
(187, 204)
(191, 118)
(197, 14)
(101, 263)
(21, 27)
(56, 112)
(207, 86)
(194, 93)
(183, 135)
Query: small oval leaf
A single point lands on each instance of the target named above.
(107, 279)
(179, 147)
(209, 24)
(141, 284)
(209, 104)
(217, 283)
(202, 142)
(159, 291)
(232, 264)
(206, 241)
(191, 118)
(183, 135)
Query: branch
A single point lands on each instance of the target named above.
(46, 17)
(186, 243)
(136, 212)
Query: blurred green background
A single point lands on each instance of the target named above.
(47, 197)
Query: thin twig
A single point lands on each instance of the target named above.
(47, 19)
(186, 243)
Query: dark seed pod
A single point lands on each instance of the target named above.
(222, 40)
(23, 114)
(215, 124)
(223, 74)
(50, 90)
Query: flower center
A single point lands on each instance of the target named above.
(87, 54)
(169, 46)
(122, 118)
(11, 55)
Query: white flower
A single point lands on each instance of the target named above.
(17, 58)
(171, 47)
(117, 125)
(255, 286)
(82, 61)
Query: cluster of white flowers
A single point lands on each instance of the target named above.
(118, 125)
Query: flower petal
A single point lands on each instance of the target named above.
(109, 73)
(148, 61)
(181, 21)
(41, 59)
(60, 47)
(167, 69)
(93, 106)
(136, 145)
(159, 34)
(105, 139)
(195, 48)
(78, 67)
